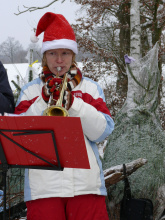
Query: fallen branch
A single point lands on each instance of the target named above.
(115, 174)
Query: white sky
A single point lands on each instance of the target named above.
(20, 27)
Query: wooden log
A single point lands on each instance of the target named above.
(115, 174)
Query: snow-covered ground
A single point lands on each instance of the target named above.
(21, 70)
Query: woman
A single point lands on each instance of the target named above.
(72, 194)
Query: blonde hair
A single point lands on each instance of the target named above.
(44, 61)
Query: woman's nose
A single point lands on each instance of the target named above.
(59, 58)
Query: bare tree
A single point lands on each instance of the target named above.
(11, 51)
(135, 41)
(100, 13)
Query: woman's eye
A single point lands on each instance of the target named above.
(51, 53)
(66, 53)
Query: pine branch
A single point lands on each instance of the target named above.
(16, 85)
(30, 75)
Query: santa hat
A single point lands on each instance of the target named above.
(58, 33)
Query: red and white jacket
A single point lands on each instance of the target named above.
(89, 104)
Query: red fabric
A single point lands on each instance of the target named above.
(83, 207)
(56, 94)
(45, 98)
(24, 105)
(52, 87)
(52, 81)
(55, 27)
(99, 104)
(71, 99)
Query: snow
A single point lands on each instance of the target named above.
(21, 70)
(132, 12)
(108, 79)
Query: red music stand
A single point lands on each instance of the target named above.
(41, 142)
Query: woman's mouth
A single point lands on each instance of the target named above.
(59, 68)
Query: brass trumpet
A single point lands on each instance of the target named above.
(57, 109)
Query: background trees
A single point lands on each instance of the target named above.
(112, 19)
(11, 51)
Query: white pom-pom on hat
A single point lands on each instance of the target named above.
(34, 38)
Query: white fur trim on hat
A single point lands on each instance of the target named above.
(58, 44)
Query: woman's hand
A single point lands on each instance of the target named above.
(51, 87)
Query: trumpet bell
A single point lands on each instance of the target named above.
(54, 110)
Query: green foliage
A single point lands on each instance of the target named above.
(138, 132)
(140, 136)
(16, 85)
(15, 186)
(30, 76)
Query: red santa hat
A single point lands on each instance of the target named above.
(58, 33)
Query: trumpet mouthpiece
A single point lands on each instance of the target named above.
(58, 68)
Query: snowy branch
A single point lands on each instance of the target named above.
(30, 9)
(115, 174)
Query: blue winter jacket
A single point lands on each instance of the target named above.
(6, 95)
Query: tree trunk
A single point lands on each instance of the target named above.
(124, 36)
(156, 36)
(135, 32)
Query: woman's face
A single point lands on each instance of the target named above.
(59, 58)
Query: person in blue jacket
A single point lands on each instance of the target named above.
(6, 95)
(6, 103)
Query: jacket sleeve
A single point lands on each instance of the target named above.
(95, 117)
(6, 95)
(30, 101)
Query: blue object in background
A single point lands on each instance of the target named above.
(1, 200)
